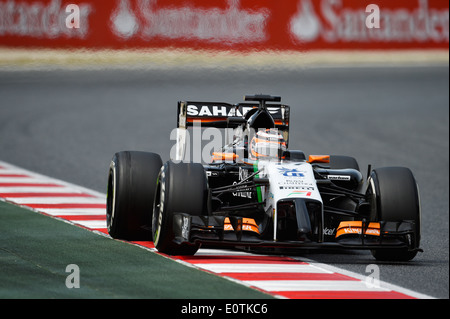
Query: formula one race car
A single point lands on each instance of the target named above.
(256, 192)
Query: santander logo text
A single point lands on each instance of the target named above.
(332, 21)
(230, 25)
(42, 20)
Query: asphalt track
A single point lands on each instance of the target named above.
(68, 124)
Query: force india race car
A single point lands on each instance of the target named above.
(258, 193)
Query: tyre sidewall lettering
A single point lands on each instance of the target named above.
(159, 217)
(114, 191)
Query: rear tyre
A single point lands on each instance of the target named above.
(395, 198)
(342, 162)
(346, 162)
(131, 190)
(182, 188)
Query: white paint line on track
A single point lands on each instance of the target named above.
(37, 189)
(257, 268)
(313, 285)
(222, 252)
(72, 211)
(94, 224)
(27, 179)
(58, 200)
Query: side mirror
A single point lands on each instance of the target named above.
(294, 155)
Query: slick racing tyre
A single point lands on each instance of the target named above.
(182, 188)
(131, 190)
(346, 162)
(396, 199)
(342, 162)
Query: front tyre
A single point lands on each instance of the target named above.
(395, 198)
(182, 188)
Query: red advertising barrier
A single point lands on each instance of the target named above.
(226, 24)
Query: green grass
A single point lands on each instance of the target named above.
(35, 250)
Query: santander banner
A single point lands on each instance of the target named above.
(240, 25)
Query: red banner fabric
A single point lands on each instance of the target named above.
(241, 25)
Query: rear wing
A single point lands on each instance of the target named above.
(225, 115)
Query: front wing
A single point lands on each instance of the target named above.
(213, 230)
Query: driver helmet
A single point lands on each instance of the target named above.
(267, 144)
